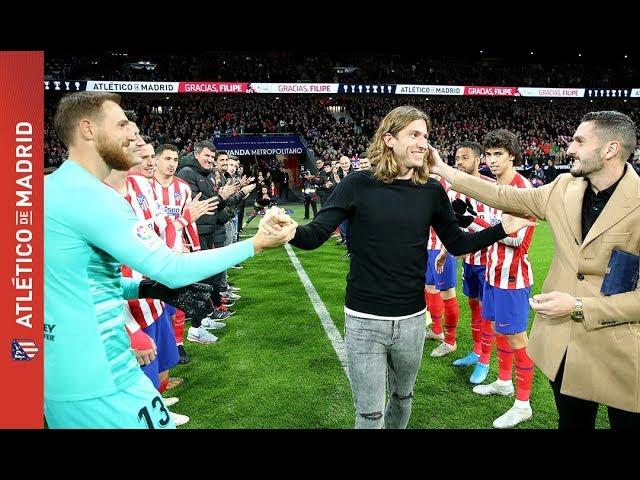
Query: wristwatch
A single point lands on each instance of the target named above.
(577, 313)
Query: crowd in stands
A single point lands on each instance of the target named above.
(543, 127)
(489, 68)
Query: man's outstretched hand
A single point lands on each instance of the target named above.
(511, 224)
(275, 217)
(276, 228)
(436, 164)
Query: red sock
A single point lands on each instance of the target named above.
(451, 317)
(178, 326)
(524, 374)
(505, 357)
(476, 325)
(163, 385)
(436, 306)
(488, 338)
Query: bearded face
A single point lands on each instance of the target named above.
(586, 163)
(114, 152)
(586, 151)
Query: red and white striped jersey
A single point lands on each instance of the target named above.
(434, 242)
(142, 199)
(153, 308)
(144, 311)
(480, 223)
(172, 201)
(508, 264)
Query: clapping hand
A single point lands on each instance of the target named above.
(198, 207)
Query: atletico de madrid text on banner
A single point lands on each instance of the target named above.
(21, 328)
(54, 86)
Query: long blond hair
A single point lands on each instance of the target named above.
(383, 162)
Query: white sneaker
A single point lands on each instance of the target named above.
(178, 418)
(201, 335)
(170, 401)
(494, 389)
(434, 336)
(513, 417)
(211, 324)
(444, 349)
(230, 296)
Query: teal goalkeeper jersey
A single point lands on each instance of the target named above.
(90, 230)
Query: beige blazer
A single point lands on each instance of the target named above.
(603, 352)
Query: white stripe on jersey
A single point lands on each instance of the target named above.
(142, 199)
(172, 201)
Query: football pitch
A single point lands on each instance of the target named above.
(274, 366)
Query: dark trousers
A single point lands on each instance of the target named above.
(253, 215)
(284, 191)
(240, 217)
(577, 414)
(314, 206)
(345, 229)
(207, 243)
(322, 196)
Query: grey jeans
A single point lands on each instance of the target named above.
(381, 353)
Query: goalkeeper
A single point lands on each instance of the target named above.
(92, 378)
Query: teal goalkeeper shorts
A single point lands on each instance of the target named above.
(137, 406)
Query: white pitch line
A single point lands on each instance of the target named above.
(329, 327)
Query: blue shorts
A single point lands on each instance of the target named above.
(161, 331)
(473, 280)
(509, 309)
(445, 280)
(137, 406)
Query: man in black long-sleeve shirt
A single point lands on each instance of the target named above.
(390, 209)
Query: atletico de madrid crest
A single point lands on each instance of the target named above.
(23, 349)
(142, 201)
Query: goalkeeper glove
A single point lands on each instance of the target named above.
(461, 208)
(194, 300)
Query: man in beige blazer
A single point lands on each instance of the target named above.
(587, 344)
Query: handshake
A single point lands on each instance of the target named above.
(275, 229)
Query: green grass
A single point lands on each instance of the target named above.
(274, 366)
